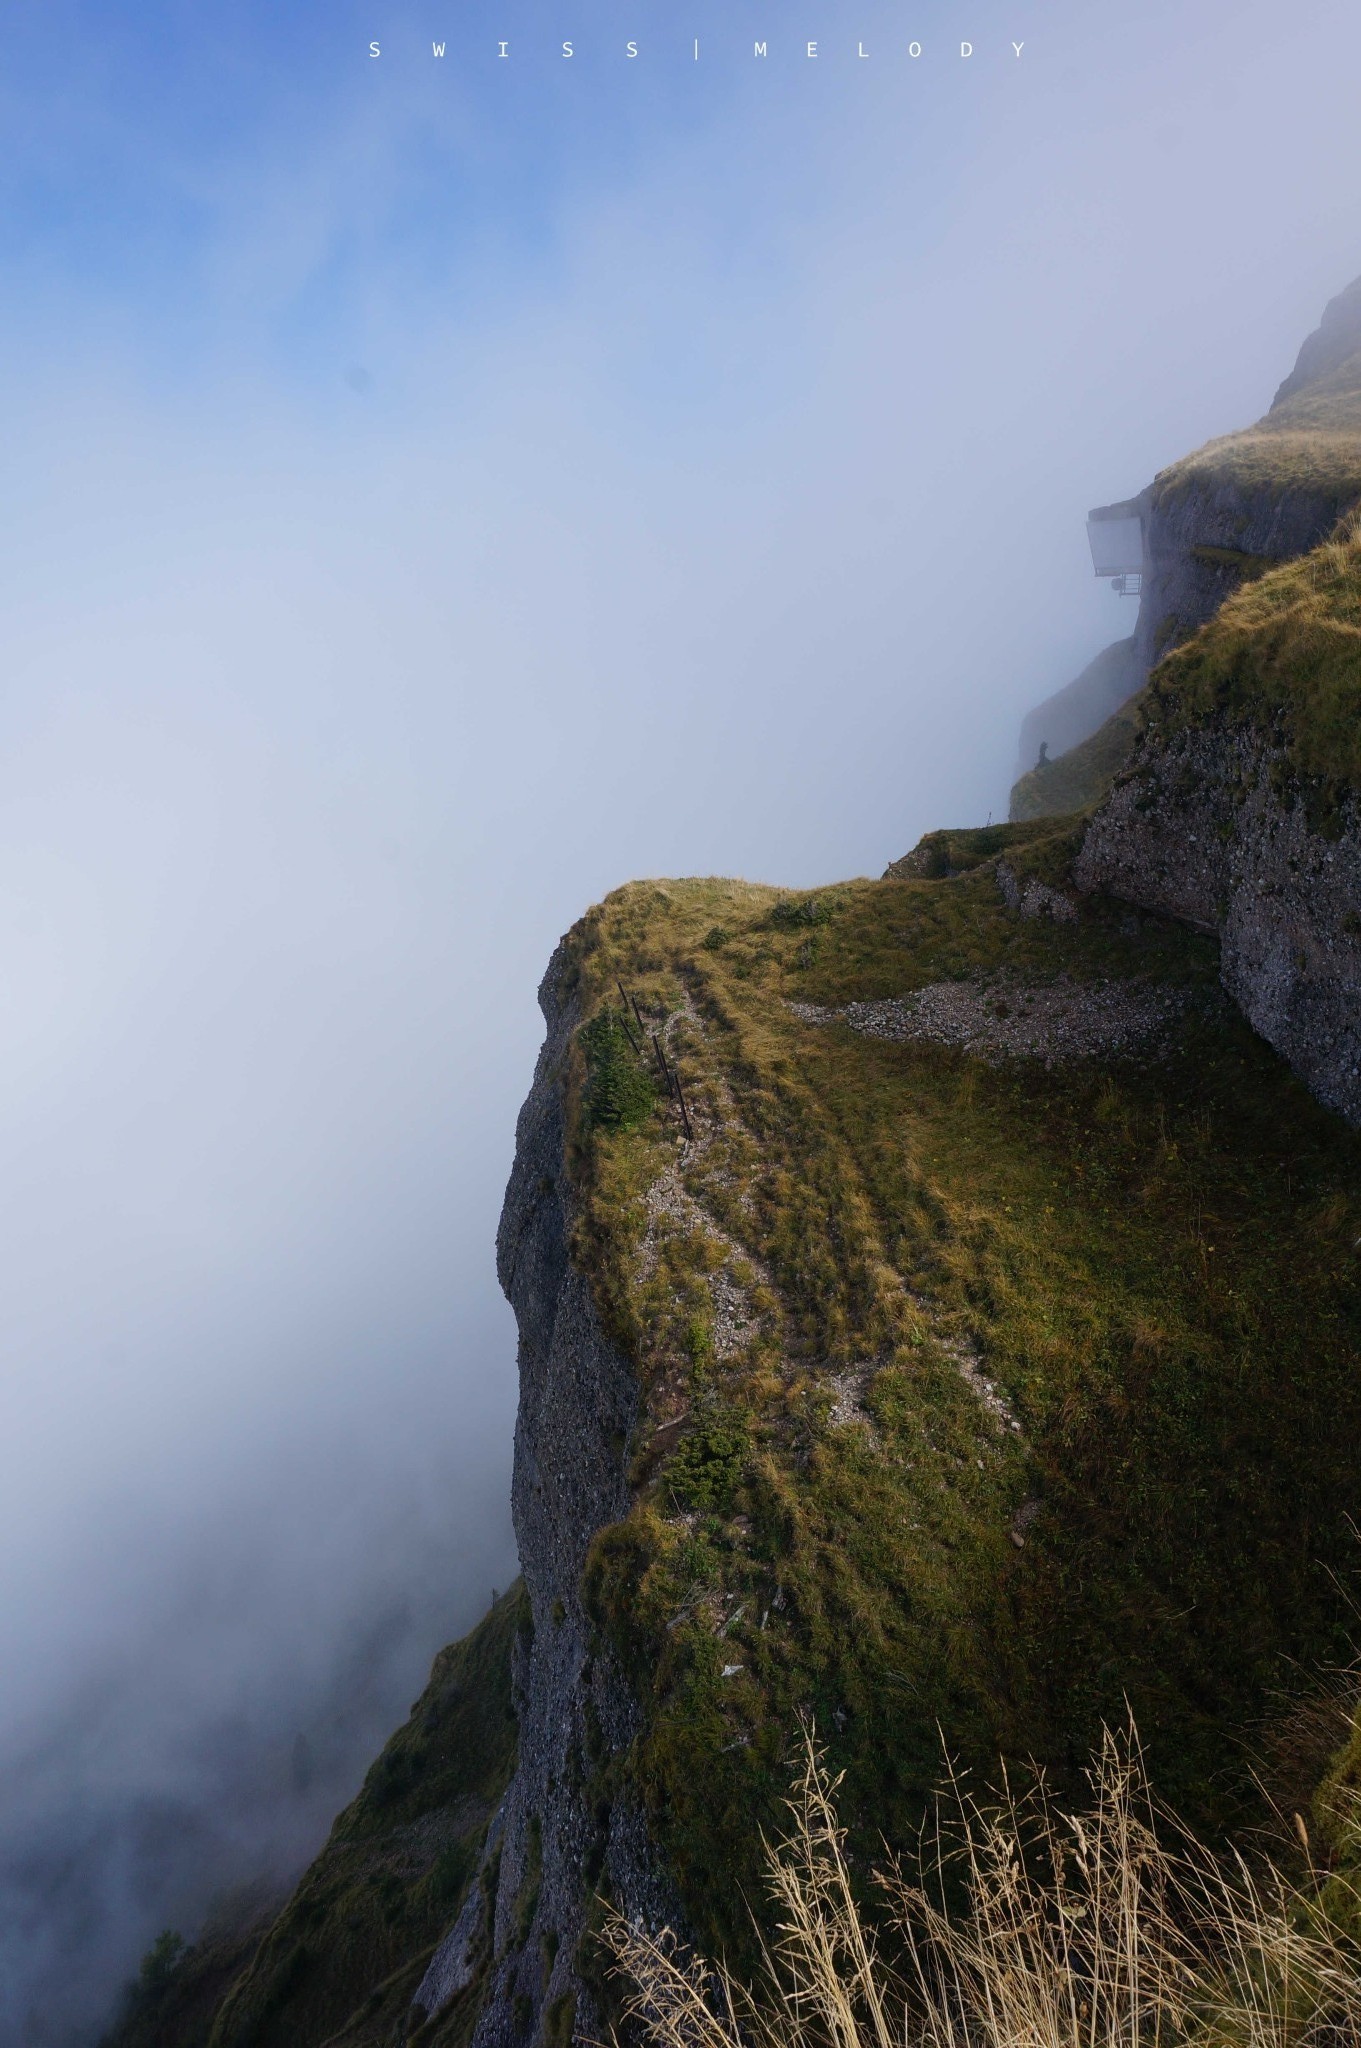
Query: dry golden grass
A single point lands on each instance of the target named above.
(1305, 454)
(1022, 1927)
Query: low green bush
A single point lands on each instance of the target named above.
(620, 1089)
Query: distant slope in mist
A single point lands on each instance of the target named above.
(1073, 713)
(346, 1953)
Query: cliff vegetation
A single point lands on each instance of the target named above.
(984, 1390)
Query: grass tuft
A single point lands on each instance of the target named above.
(1025, 1926)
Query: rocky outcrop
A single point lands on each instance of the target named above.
(1032, 897)
(1205, 530)
(1207, 828)
(1002, 1017)
(1251, 500)
(557, 1839)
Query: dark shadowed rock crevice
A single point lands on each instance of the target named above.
(1205, 830)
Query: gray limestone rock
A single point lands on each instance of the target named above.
(1201, 531)
(557, 1839)
(1199, 828)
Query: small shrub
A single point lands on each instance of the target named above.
(790, 916)
(620, 1090)
(699, 1343)
(715, 938)
(160, 1962)
(708, 1462)
(527, 1898)
(451, 1871)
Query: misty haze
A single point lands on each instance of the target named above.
(429, 504)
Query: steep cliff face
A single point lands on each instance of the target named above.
(1201, 831)
(556, 1839)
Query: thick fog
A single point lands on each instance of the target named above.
(429, 501)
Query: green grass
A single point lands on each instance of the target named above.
(1283, 654)
(1152, 1261)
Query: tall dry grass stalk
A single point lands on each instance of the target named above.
(1020, 1927)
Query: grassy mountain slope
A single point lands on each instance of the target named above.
(340, 1963)
(876, 1249)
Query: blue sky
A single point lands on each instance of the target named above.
(431, 495)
